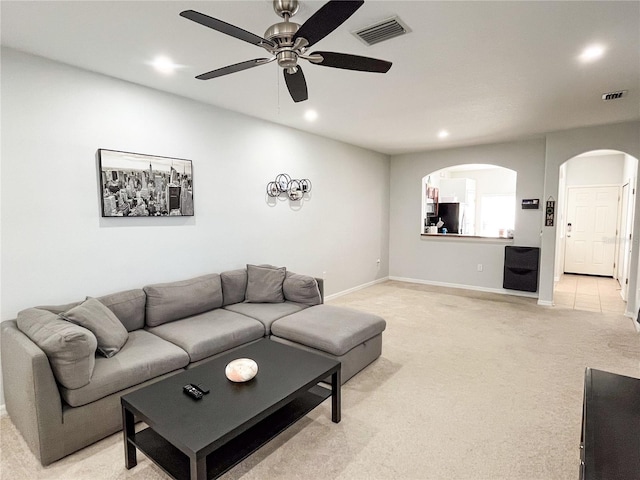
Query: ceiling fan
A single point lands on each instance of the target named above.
(287, 42)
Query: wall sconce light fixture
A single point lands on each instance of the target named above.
(292, 188)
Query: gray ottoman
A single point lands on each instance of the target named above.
(350, 336)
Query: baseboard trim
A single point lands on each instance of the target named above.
(501, 291)
(3, 410)
(355, 289)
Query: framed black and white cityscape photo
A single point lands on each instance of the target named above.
(137, 185)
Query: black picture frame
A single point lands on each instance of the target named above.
(141, 185)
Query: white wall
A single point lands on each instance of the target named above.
(560, 221)
(489, 181)
(595, 170)
(630, 174)
(630, 170)
(450, 260)
(56, 248)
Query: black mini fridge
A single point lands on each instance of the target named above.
(521, 268)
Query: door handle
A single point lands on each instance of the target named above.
(568, 230)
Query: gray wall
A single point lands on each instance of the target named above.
(56, 248)
(449, 260)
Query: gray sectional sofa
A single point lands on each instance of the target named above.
(65, 367)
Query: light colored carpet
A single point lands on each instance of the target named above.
(469, 386)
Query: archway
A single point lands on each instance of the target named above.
(561, 146)
(486, 193)
(589, 174)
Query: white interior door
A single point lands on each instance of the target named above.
(592, 215)
(622, 231)
(625, 242)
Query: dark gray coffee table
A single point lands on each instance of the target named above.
(203, 439)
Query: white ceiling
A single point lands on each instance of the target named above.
(484, 71)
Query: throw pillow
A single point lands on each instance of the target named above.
(70, 348)
(264, 284)
(301, 289)
(102, 322)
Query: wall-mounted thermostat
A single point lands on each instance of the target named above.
(530, 203)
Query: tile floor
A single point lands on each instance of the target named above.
(586, 292)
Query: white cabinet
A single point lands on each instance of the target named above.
(462, 190)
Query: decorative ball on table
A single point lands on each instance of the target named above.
(241, 370)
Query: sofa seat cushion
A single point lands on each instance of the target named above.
(210, 333)
(334, 330)
(266, 313)
(143, 357)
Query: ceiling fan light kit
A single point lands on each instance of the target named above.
(288, 42)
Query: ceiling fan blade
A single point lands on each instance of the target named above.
(352, 62)
(296, 84)
(330, 16)
(238, 67)
(225, 27)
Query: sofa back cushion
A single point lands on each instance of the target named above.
(128, 306)
(70, 348)
(102, 322)
(301, 289)
(234, 286)
(264, 284)
(58, 308)
(167, 302)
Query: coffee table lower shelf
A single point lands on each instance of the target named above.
(176, 464)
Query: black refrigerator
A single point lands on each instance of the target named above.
(451, 214)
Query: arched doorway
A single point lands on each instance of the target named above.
(595, 218)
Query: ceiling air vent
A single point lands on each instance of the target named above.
(614, 95)
(381, 31)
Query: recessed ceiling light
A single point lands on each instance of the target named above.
(310, 115)
(443, 134)
(591, 53)
(164, 65)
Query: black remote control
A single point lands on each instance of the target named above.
(201, 387)
(192, 391)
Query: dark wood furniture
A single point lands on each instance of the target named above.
(610, 440)
(202, 439)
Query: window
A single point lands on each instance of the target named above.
(498, 213)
